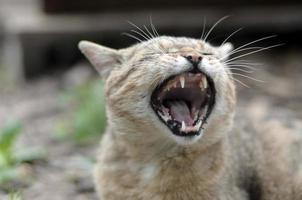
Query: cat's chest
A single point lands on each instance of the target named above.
(174, 180)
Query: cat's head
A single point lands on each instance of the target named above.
(167, 87)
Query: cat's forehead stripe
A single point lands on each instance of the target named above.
(172, 44)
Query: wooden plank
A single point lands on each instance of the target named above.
(31, 33)
(69, 6)
(27, 22)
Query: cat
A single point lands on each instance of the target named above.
(172, 133)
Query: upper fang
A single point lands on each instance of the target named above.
(201, 85)
(204, 82)
(182, 81)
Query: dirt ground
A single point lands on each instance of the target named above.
(66, 174)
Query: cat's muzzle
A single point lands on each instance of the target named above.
(184, 102)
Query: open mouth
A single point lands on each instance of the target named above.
(184, 102)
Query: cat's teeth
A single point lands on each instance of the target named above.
(182, 81)
(196, 115)
(204, 82)
(164, 117)
(183, 126)
(175, 84)
(197, 126)
(201, 85)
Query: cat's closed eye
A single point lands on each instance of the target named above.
(207, 54)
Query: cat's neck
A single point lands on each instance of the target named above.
(209, 160)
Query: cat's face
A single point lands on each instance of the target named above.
(167, 87)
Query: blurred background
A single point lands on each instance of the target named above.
(51, 102)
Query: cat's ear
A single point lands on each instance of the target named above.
(104, 59)
(224, 50)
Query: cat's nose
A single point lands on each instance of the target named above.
(194, 59)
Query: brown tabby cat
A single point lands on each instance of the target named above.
(171, 131)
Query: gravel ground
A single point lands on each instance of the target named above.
(66, 174)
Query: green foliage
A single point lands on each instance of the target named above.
(7, 137)
(14, 196)
(87, 119)
(12, 160)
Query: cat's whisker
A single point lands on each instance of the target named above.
(240, 82)
(147, 38)
(132, 36)
(241, 63)
(230, 36)
(203, 28)
(241, 50)
(153, 27)
(140, 40)
(244, 62)
(253, 42)
(242, 70)
(150, 34)
(142, 32)
(154, 30)
(242, 66)
(212, 28)
(245, 76)
(253, 52)
(147, 35)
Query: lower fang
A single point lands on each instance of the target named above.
(183, 126)
(164, 117)
(197, 126)
(195, 114)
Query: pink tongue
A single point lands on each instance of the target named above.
(180, 112)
